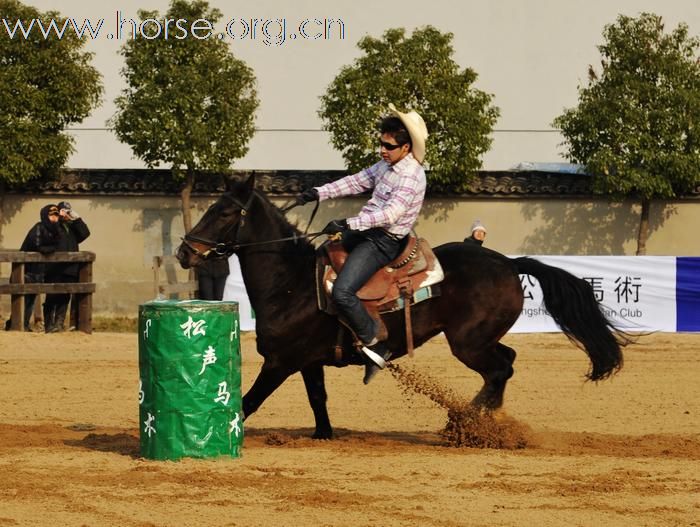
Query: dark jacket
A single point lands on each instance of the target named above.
(71, 234)
(473, 241)
(44, 238)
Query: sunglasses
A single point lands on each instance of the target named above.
(389, 146)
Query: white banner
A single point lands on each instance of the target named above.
(235, 290)
(637, 293)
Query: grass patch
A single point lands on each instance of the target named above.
(115, 324)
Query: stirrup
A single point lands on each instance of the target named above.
(375, 357)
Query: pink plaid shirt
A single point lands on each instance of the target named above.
(397, 195)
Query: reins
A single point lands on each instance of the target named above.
(227, 248)
(296, 203)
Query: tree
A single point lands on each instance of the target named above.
(46, 84)
(415, 73)
(188, 102)
(636, 124)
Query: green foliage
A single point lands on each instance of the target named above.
(415, 73)
(45, 86)
(189, 103)
(636, 124)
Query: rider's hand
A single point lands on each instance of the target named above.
(335, 226)
(308, 196)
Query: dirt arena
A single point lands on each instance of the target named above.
(624, 452)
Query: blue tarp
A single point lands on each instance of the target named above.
(687, 294)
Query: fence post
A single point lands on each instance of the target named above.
(157, 261)
(17, 301)
(85, 299)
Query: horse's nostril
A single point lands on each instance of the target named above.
(181, 255)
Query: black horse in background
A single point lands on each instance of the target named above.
(481, 298)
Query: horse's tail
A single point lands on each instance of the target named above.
(572, 304)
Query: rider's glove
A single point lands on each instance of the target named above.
(308, 196)
(335, 226)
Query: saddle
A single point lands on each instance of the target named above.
(405, 281)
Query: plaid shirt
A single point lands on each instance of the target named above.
(397, 195)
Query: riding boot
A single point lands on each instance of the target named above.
(59, 318)
(381, 332)
(377, 356)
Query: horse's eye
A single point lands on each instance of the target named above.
(226, 213)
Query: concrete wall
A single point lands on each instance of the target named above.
(128, 231)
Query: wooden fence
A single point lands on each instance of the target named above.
(16, 288)
(165, 284)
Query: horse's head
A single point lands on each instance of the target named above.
(217, 233)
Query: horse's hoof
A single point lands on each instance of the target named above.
(323, 434)
(487, 403)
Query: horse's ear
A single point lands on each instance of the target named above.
(250, 184)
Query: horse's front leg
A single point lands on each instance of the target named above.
(269, 379)
(316, 390)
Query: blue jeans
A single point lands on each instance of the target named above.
(368, 251)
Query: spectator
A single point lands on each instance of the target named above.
(73, 231)
(42, 237)
(478, 234)
(211, 276)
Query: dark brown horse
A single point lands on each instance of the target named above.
(481, 298)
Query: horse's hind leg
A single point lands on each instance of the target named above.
(495, 365)
(316, 390)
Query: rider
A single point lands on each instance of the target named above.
(377, 234)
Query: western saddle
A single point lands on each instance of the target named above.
(405, 281)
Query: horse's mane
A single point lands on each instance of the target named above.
(239, 189)
(280, 217)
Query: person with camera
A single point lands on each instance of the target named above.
(42, 237)
(72, 232)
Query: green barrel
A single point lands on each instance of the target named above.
(190, 379)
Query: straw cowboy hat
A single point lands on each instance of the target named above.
(416, 129)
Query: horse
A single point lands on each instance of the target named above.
(480, 299)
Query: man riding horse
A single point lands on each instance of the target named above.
(377, 235)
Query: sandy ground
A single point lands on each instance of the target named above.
(623, 452)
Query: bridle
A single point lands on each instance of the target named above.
(224, 249)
